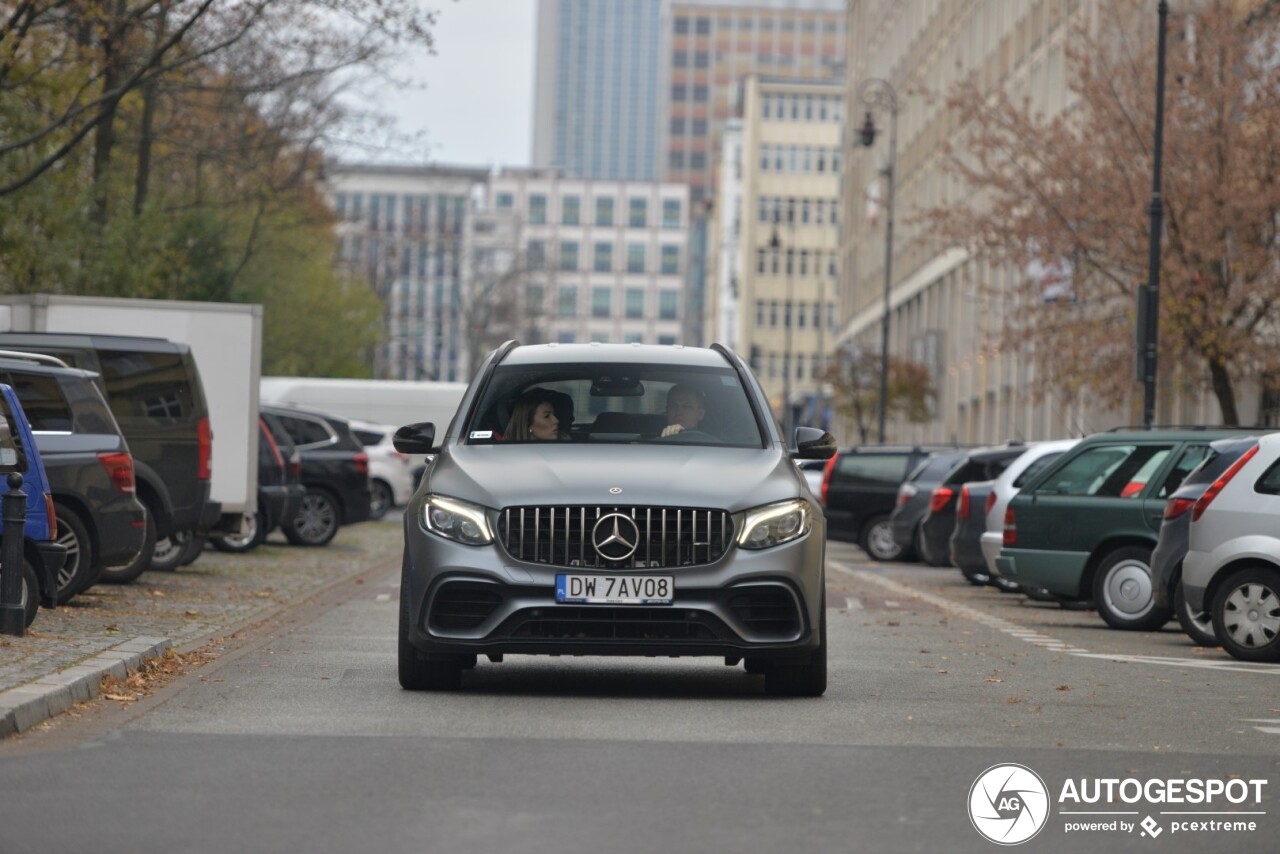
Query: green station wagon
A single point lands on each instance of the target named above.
(1085, 527)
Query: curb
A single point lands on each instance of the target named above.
(23, 707)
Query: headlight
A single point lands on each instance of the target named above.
(456, 520)
(774, 524)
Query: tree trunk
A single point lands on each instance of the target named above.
(1224, 391)
(146, 132)
(104, 139)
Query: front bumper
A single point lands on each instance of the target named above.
(479, 600)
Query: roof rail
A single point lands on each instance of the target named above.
(41, 358)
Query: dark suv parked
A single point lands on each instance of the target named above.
(914, 497)
(154, 391)
(859, 489)
(335, 472)
(280, 489)
(100, 521)
(940, 519)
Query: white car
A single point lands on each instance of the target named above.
(1036, 457)
(391, 481)
(1232, 565)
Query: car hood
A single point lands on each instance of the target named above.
(674, 476)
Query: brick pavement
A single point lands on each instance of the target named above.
(110, 622)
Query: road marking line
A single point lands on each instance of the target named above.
(852, 603)
(1262, 720)
(1269, 730)
(1229, 664)
(1015, 630)
(383, 597)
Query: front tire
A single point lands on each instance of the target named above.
(1122, 591)
(316, 522)
(801, 679)
(1246, 614)
(415, 672)
(1198, 626)
(877, 540)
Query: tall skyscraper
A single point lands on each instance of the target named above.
(596, 98)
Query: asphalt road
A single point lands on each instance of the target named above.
(300, 739)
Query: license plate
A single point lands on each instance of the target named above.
(615, 589)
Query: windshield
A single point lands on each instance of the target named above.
(615, 403)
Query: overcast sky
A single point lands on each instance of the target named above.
(475, 103)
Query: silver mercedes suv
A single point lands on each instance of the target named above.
(650, 507)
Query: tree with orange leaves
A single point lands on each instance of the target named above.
(1064, 199)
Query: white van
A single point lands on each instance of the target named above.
(395, 402)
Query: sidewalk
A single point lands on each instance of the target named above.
(113, 628)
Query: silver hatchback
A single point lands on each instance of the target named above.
(614, 500)
(1232, 565)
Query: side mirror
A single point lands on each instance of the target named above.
(814, 444)
(417, 438)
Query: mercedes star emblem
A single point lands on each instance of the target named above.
(615, 537)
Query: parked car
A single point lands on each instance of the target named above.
(335, 474)
(940, 518)
(391, 480)
(41, 556)
(1175, 530)
(1232, 565)
(1086, 526)
(913, 500)
(279, 493)
(813, 471)
(100, 521)
(154, 391)
(1011, 480)
(859, 490)
(617, 541)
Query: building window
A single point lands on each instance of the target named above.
(568, 255)
(537, 254)
(677, 126)
(571, 210)
(759, 312)
(632, 338)
(505, 200)
(635, 303)
(538, 209)
(670, 213)
(568, 305)
(602, 258)
(667, 340)
(680, 59)
(698, 160)
(682, 25)
(702, 26)
(635, 257)
(535, 297)
(700, 93)
(668, 305)
(679, 92)
(676, 160)
(700, 59)
(670, 260)
(604, 211)
(638, 213)
(601, 302)
(566, 337)
(699, 127)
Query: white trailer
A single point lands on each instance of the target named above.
(396, 402)
(226, 340)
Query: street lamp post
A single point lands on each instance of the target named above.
(788, 313)
(876, 92)
(1149, 296)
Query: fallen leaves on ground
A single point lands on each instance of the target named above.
(154, 673)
